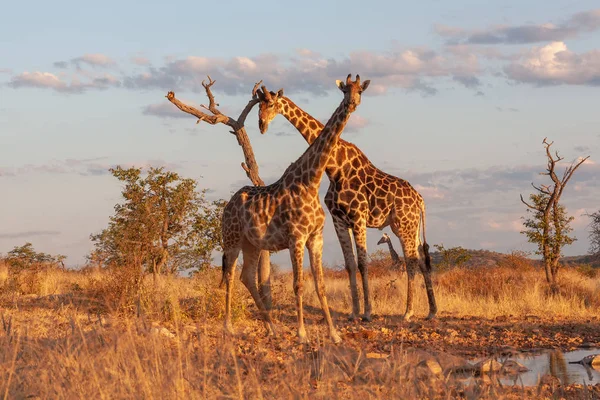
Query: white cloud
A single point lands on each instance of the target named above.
(95, 60)
(554, 64)
(430, 192)
(356, 123)
(39, 80)
(47, 80)
(411, 69)
(587, 21)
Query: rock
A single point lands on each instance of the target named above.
(550, 381)
(487, 366)
(448, 362)
(163, 332)
(377, 355)
(512, 367)
(428, 368)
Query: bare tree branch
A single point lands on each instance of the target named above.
(527, 204)
(237, 125)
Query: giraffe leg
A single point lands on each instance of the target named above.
(411, 258)
(315, 251)
(248, 277)
(428, 285)
(264, 279)
(343, 234)
(229, 260)
(297, 256)
(360, 238)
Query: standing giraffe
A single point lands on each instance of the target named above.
(395, 257)
(361, 196)
(286, 215)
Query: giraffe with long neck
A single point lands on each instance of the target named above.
(361, 196)
(395, 257)
(286, 215)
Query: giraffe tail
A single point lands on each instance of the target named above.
(223, 267)
(425, 245)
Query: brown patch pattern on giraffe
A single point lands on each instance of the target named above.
(361, 196)
(286, 215)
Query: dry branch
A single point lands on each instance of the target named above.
(250, 166)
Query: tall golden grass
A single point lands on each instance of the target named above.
(89, 334)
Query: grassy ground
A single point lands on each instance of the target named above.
(99, 334)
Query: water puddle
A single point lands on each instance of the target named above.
(552, 362)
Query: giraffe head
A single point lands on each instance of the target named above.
(352, 91)
(384, 238)
(270, 105)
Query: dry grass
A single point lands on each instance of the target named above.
(102, 334)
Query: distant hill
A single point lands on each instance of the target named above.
(594, 261)
(487, 258)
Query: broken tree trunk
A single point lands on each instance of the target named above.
(250, 165)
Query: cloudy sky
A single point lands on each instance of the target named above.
(462, 95)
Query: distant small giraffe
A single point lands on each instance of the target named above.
(286, 215)
(361, 196)
(398, 263)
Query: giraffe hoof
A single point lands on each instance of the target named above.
(352, 317)
(303, 340)
(335, 337)
(430, 316)
(367, 318)
(406, 317)
(228, 330)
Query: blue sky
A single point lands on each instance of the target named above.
(462, 95)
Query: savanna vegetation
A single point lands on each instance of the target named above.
(144, 317)
(101, 332)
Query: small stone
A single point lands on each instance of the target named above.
(512, 367)
(429, 367)
(377, 355)
(487, 366)
(163, 332)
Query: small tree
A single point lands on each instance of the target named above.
(595, 234)
(556, 230)
(162, 226)
(22, 258)
(548, 227)
(454, 256)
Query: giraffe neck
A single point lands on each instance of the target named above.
(393, 254)
(314, 160)
(309, 127)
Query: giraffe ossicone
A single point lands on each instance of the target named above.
(286, 215)
(361, 196)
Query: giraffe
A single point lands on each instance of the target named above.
(286, 215)
(361, 196)
(395, 257)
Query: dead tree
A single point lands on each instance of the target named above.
(250, 165)
(549, 226)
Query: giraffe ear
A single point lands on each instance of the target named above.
(339, 84)
(280, 93)
(365, 85)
